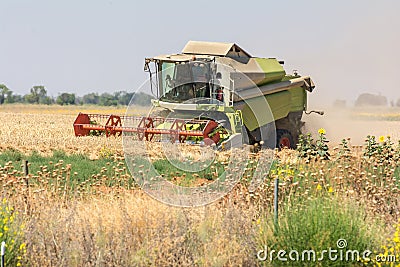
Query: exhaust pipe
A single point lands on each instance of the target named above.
(319, 112)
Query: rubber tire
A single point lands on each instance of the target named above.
(247, 139)
(284, 137)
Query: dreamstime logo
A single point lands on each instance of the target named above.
(147, 160)
(340, 253)
(341, 243)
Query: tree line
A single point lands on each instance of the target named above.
(38, 95)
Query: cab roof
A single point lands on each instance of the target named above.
(212, 48)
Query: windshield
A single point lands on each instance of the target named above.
(181, 81)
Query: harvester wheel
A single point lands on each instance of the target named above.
(247, 139)
(284, 139)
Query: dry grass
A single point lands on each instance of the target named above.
(131, 229)
(116, 226)
(373, 183)
(111, 224)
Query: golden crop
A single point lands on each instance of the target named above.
(42, 130)
(104, 220)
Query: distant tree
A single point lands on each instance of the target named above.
(123, 97)
(5, 94)
(9, 97)
(78, 100)
(47, 100)
(18, 99)
(91, 98)
(66, 99)
(398, 102)
(107, 99)
(38, 95)
(31, 99)
(142, 99)
(371, 100)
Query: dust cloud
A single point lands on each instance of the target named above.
(354, 123)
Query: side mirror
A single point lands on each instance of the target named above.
(146, 64)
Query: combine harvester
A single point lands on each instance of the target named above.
(214, 93)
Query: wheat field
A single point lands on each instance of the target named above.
(48, 128)
(105, 219)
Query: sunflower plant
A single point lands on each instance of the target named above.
(382, 150)
(371, 146)
(310, 149)
(321, 146)
(344, 149)
(306, 147)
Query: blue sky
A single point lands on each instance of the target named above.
(347, 47)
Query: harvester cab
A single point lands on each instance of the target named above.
(219, 94)
(185, 81)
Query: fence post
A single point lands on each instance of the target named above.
(276, 189)
(26, 171)
(27, 192)
(3, 250)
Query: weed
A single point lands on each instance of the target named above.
(12, 233)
